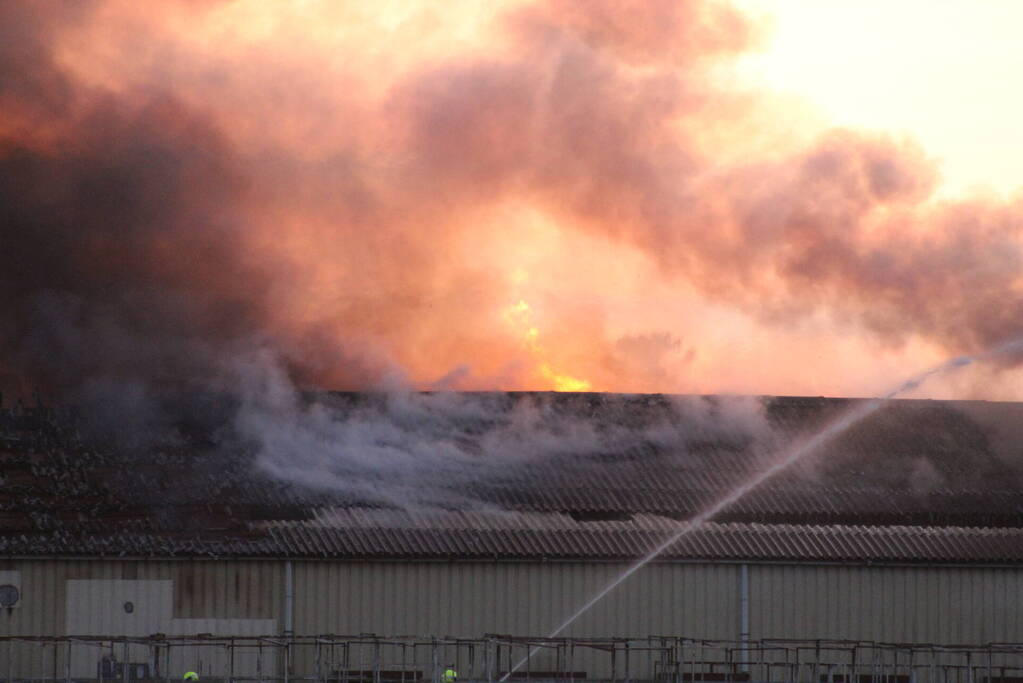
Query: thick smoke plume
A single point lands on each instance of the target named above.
(360, 194)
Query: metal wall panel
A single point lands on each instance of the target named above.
(115, 607)
(893, 604)
(469, 599)
(229, 590)
(235, 589)
(126, 607)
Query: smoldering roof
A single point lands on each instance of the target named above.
(592, 456)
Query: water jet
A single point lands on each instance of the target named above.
(788, 457)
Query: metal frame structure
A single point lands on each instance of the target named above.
(369, 658)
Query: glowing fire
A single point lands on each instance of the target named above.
(520, 317)
(564, 382)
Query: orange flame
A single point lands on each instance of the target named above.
(520, 317)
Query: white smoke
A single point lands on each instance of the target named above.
(411, 449)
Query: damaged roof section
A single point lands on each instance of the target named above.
(602, 476)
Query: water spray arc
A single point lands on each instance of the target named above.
(794, 454)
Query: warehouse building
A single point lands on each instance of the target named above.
(905, 528)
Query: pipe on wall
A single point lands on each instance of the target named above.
(289, 600)
(744, 615)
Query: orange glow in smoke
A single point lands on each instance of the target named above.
(351, 184)
(520, 317)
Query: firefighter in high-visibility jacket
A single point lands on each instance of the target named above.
(450, 675)
(190, 676)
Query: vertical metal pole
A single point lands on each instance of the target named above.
(433, 657)
(668, 657)
(376, 660)
(230, 665)
(489, 653)
(67, 664)
(289, 600)
(124, 663)
(681, 665)
(816, 662)
(744, 617)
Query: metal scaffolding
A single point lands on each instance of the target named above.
(370, 658)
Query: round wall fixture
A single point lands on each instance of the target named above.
(9, 595)
(129, 607)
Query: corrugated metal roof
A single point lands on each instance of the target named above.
(930, 477)
(390, 534)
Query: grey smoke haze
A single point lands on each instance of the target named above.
(412, 449)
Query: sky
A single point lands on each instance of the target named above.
(684, 196)
(938, 71)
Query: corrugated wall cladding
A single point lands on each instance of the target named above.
(922, 604)
(201, 589)
(210, 590)
(892, 604)
(469, 599)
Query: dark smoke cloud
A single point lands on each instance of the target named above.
(127, 258)
(121, 253)
(202, 206)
